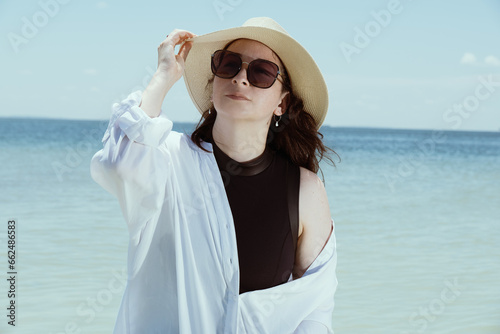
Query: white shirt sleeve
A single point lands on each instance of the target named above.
(133, 163)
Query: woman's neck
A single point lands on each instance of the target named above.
(242, 140)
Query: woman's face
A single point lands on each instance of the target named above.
(260, 104)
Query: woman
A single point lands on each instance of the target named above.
(221, 240)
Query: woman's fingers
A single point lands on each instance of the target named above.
(178, 36)
(184, 50)
(170, 63)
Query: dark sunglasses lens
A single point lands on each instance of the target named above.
(225, 65)
(262, 73)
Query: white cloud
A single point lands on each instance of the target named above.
(492, 60)
(102, 5)
(90, 71)
(468, 58)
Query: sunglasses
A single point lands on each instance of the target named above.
(261, 73)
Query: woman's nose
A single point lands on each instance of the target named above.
(241, 77)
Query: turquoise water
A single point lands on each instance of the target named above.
(417, 220)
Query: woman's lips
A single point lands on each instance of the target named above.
(237, 97)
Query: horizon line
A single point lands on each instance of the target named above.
(194, 123)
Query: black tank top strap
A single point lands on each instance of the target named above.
(293, 178)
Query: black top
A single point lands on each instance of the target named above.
(257, 194)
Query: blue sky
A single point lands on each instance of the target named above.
(414, 64)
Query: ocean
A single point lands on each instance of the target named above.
(417, 223)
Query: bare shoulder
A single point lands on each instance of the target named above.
(313, 201)
(314, 220)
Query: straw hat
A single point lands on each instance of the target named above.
(307, 81)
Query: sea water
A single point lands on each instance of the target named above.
(417, 223)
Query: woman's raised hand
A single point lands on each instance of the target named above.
(169, 63)
(169, 71)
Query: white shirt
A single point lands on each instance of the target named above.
(183, 273)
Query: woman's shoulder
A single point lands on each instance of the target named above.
(311, 186)
(313, 204)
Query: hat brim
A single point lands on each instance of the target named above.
(306, 78)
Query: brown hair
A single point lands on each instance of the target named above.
(296, 136)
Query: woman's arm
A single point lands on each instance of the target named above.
(133, 164)
(315, 221)
(170, 69)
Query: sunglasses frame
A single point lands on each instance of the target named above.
(248, 67)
